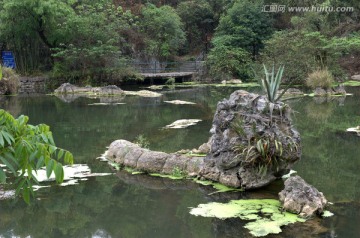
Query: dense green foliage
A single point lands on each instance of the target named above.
(199, 19)
(163, 31)
(239, 37)
(95, 41)
(25, 148)
(10, 83)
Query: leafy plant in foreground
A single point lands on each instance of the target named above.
(24, 149)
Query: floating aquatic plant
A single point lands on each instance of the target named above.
(220, 188)
(265, 215)
(169, 176)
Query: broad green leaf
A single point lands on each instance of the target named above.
(26, 194)
(8, 165)
(2, 142)
(29, 171)
(69, 159)
(51, 139)
(2, 176)
(9, 138)
(21, 181)
(49, 167)
(60, 154)
(52, 149)
(32, 156)
(59, 173)
(45, 139)
(11, 157)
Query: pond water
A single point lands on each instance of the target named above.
(124, 205)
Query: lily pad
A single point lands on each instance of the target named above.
(180, 102)
(183, 123)
(266, 213)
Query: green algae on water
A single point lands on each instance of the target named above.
(219, 187)
(351, 83)
(265, 215)
(169, 176)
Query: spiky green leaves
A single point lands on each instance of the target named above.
(271, 83)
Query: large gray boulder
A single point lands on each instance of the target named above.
(301, 198)
(253, 142)
(356, 77)
(67, 88)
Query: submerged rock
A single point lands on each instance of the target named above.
(68, 88)
(183, 123)
(339, 90)
(356, 77)
(180, 102)
(6, 194)
(301, 198)
(354, 129)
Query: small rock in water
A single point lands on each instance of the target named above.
(183, 123)
(354, 129)
(301, 198)
(179, 102)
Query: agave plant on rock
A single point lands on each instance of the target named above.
(271, 83)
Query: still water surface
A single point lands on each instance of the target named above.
(124, 205)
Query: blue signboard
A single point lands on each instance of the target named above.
(8, 59)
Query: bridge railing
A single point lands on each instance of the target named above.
(167, 67)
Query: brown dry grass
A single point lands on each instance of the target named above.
(320, 78)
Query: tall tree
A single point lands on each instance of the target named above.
(245, 26)
(240, 35)
(163, 30)
(198, 18)
(95, 40)
(30, 28)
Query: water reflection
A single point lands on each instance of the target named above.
(141, 206)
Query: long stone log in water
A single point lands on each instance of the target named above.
(131, 155)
